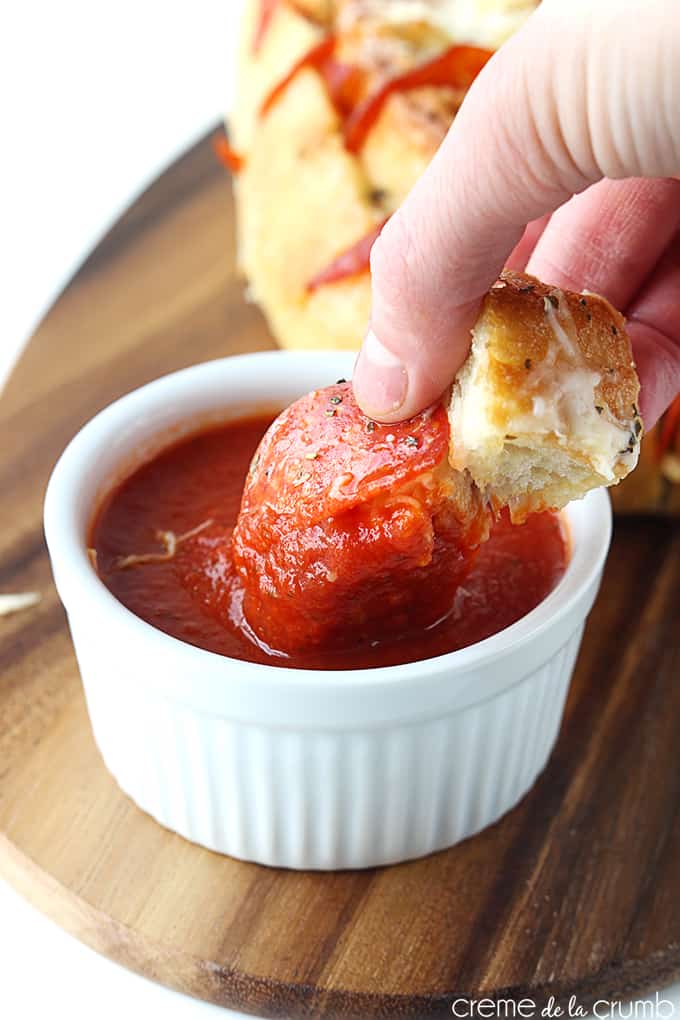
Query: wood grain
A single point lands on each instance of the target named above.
(574, 892)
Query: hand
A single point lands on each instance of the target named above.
(584, 101)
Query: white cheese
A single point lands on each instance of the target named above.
(481, 22)
(563, 404)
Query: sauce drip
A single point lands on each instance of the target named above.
(455, 68)
(344, 83)
(196, 596)
(266, 13)
(353, 261)
(227, 156)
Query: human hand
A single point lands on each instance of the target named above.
(584, 101)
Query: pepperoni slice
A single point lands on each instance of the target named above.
(353, 261)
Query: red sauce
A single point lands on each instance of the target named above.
(345, 84)
(353, 261)
(227, 156)
(264, 20)
(197, 597)
(455, 68)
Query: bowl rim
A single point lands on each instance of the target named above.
(66, 546)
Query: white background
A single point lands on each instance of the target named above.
(96, 100)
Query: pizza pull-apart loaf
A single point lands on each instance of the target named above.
(345, 522)
(340, 106)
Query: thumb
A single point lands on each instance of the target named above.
(537, 126)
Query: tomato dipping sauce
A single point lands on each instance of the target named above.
(163, 547)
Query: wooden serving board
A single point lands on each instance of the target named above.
(575, 892)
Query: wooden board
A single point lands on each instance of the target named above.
(575, 892)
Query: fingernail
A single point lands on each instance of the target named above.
(380, 379)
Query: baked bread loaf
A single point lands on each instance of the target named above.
(546, 405)
(333, 130)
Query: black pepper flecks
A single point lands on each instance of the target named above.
(411, 441)
(527, 363)
(370, 426)
(336, 400)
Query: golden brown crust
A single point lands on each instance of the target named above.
(521, 311)
(321, 11)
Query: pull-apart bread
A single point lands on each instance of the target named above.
(333, 130)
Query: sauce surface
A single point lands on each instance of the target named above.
(175, 515)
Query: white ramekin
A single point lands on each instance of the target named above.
(298, 768)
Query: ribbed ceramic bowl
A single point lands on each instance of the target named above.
(299, 768)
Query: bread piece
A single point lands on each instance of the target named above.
(546, 405)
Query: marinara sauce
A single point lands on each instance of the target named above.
(162, 545)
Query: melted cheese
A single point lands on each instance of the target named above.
(168, 539)
(481, 22)
(562, 390)
(568, 404)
